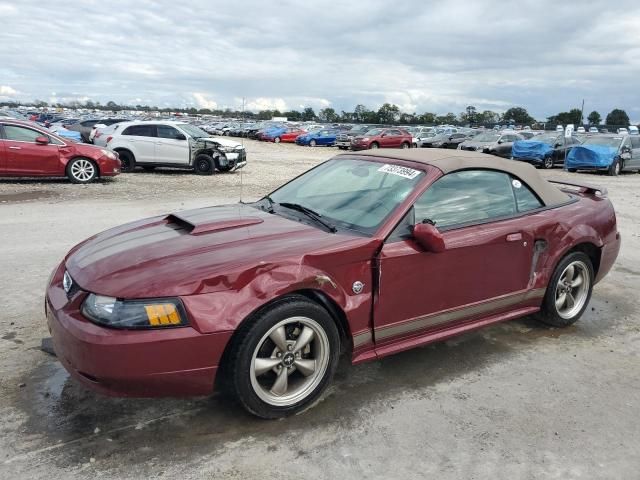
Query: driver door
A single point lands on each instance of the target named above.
(172, 146)
(484, 269)
(23, 156)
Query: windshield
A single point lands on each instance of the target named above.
(548, 139)
(613, 142)
(192, 131)
(486, 137)
(354, 194)
(374, 131)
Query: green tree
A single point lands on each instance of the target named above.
(427, 118)
(293, 115)
(518, 115)
(594, 118)
(448, 119)
(112, 105)
(408, 118)
(388, 113)
(308, 114)
(470, 115)
(328, 115)
(573, 116)
(488, 117)
(360, 113)
(617, 117)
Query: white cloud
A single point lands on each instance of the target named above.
(7, 91)
(264, 103)
(202, 101)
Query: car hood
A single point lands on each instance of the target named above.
(225, 142)
(199, 251)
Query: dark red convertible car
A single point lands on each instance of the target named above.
(367, 254)
(27, 150)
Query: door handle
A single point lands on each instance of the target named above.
(514, 237)
(15, 148)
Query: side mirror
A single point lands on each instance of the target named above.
(181, 136)
(450, 138)
(500, 141)
(428, 237)
(42, 140)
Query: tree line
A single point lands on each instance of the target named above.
(387, 114)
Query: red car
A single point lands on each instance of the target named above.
(367, 254)
(27, 150)
(287, 135)
(382, 138)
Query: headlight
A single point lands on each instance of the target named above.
(366, 139)
(108, 153)
(230, 149)
(156, 313)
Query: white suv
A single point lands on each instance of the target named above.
(150, 144)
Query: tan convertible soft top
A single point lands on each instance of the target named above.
(452, 160)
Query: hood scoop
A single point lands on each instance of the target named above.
(197, 223)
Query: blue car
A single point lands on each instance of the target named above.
(609, 153)
(544, 150)
(321, 137)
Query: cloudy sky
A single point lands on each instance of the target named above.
(421, 55)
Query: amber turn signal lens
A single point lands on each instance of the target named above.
(162, 314)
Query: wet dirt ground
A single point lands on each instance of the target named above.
(512, 401)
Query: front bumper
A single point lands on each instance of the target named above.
(130, 363)
(233, 161)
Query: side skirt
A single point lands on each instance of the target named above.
(439, 335)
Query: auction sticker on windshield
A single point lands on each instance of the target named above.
(405, 172)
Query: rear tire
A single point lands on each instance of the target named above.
(203, 164)
(276, 140)
(256, 362)
(82, 170)
(127, 161)
(614, 169)
(312, 143)
(568, 292)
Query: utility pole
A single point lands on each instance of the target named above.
(582, 113)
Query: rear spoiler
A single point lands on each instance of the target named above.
(581, 188)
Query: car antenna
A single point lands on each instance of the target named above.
(242, 143)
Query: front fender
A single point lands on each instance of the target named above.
(226, 310)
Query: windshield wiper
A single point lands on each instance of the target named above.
(312, 214)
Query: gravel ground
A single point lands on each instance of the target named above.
(515, 400)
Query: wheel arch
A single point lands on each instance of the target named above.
(310, 294)
(125, 149)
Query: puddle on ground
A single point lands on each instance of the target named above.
(26, 196)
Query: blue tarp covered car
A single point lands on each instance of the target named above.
(544, 150)
(70, 134)
(610, 153)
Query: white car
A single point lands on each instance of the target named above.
(593, 130)
(623, 131)
(581, 130)
(633, 130)
(151, 144)
(559, 128)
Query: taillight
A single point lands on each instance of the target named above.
(109, 139)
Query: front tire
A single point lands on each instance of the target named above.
(203, 164)
(614, 169)
(548, 163)
(276, 140)
(82, 170)
(283, 358)
(405, 145)
(568, 292)
(374, 146)
(312, 143)
(127, 161)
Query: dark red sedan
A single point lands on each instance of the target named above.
(382, 138)
(367, 254)
(27, 150)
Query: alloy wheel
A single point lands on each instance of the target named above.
(572, 289)
(83, 170)
(290, 361)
